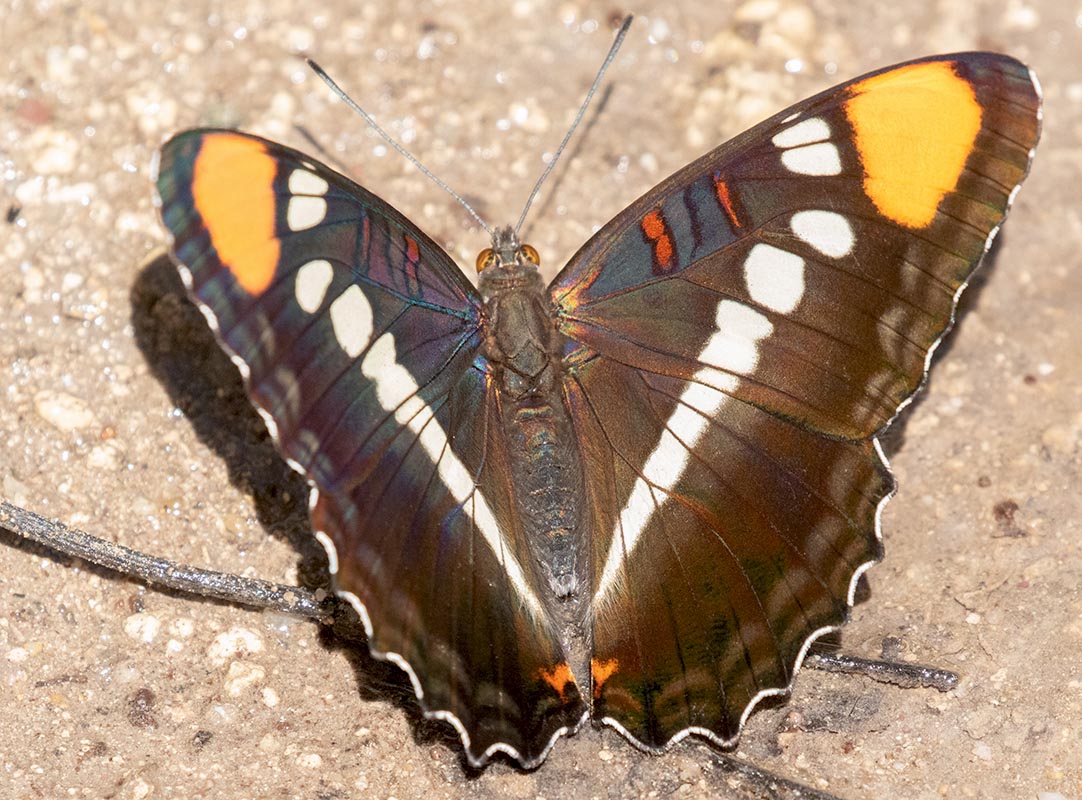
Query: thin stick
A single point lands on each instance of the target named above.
(578, 118)
(161, 572)
(908, 676)
(767, 782)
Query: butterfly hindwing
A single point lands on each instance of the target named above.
(761, 315)
(360, 342)
(736, 536)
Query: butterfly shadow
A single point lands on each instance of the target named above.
(183, 354)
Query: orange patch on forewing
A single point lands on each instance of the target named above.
(601, 671)
(558, 678)
(232, 186)
(914, 127)
(653, 227)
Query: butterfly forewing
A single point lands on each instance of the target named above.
(761, 315)
(846, 225)
(360, 343)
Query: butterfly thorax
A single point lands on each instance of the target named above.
(524, 349)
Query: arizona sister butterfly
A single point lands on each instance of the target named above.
(638, 494)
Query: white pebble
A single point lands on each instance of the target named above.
(243, 674)
(57, 151)
(270, 697)
(104, 457)
(143, 627)
(232, 644)
(982, 751)
(310, 760)
(65, 411)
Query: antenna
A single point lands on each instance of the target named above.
(349, 101)
(578, 118)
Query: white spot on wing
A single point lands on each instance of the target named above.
(827, 231)
(307, 207)
(806, 132)
(396, 391)
(775, 277)
(732, 347)
(312, 282)
(301, 181)
(305, 212)
(351, 319)
(813, 159)
(332, 552)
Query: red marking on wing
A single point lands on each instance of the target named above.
(654, 228)
(721, 188)
(413, 254)
(413, 260)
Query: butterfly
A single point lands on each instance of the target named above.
(638, 494)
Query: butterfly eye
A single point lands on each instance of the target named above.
(530, 254)
(485, 259)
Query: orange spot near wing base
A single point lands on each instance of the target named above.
(915, 127)
(558, 678)
(601, 671)
(232, 186)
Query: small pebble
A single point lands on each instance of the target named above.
(64, 411)
(142, 627)
(243, 674)
(310, 760)
(232, 644)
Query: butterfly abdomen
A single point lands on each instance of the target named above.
(546, 476)
(524, 347)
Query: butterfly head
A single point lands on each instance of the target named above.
(507, 259)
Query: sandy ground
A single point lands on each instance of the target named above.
(118, 415)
